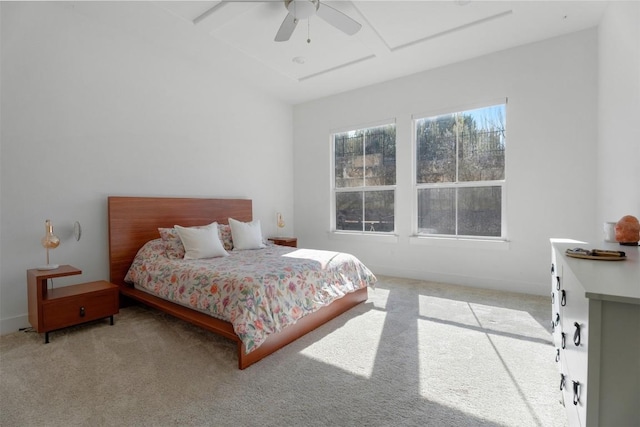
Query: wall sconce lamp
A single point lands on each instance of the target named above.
(49, 241)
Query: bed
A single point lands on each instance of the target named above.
(133, 227)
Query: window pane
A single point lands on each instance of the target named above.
(379, 211)
(480, 211)
(349, 169)
(462, 147)
(437, 211)
(380, 152)
(365, 176)
(481, 144)
(349, 211)
(436, 149)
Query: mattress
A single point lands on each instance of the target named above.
(259, 291)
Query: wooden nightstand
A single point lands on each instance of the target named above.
(52, 309)
(285, 241)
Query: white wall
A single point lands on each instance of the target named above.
(551, 158)
(90, 111)
(619, 112)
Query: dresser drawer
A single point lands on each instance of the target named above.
(80, 303)
(572, 411)
(575, 324)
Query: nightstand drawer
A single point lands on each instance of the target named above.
(285, 241)
(76, 304)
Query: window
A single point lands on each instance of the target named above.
(364, 179)
(460, 173)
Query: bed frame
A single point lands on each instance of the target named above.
(133, 221)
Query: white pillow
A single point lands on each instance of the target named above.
(201, 242)
(246, 235)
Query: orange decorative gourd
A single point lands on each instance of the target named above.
(628, 230)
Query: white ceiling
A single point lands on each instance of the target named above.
(397, 37)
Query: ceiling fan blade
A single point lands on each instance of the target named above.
(338, 19)
(286, 29)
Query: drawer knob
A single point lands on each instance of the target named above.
(558, 282)
(553, 268)
(557, 354)
(564, 340)
(576, 392)
(553, 326)
(563, 299)
(82, 311)
(557, 319)
(553, 297)
(563, 381)
(576, 335)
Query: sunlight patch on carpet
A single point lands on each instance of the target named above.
(379, 297)
(444, 372)
(485, 336)
(340, 350)
(447, 310)
(510, 321)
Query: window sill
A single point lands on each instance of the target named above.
(363, 237)
(452, 242)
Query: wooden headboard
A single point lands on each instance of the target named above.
(133, 221)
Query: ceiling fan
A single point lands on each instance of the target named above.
(296, 10)
(304, 9)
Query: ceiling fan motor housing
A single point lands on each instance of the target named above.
(302, 9)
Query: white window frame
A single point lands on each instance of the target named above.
(335, 190)
(419, 237)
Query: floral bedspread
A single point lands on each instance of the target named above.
(259, 291)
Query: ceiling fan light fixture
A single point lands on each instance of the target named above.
(302, 9)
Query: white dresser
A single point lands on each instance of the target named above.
(596, 332)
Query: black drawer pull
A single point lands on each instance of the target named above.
(563, 381)
(563, 299)
(576, 392)
(564, 340)
(557, 354)
(82, 311)
(576, 335)
(558, 282)
(557, 319)
(553, 268)
(553, 326)
(553, 297)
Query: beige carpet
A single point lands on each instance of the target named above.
(414, 354)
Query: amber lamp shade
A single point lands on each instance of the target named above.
(279, 222)
(49, 241)
(628, 230)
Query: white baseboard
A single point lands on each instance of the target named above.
(13, 324)
(474, 282)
